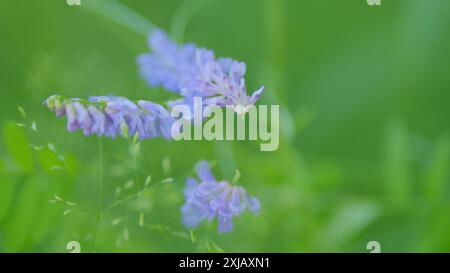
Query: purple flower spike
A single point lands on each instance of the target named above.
(192, 71)
(111, 115)
(209, 199)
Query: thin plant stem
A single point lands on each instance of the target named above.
(135, 163)
(117, 12)
(100, 173)
(98, 214)
(183, 14)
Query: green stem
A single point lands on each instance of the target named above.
(98, 214)
(121, 14)
(136, 175)
(100, 172)
(183, 14)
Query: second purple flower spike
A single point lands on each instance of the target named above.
(194, 72)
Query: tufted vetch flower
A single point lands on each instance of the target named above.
(209, 199)
(112, 115)
(195, 72)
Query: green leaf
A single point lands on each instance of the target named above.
(6, 192)
(22, 111)
(148, 180)
(49, 159)
(44, 221)
(21, 223)
(438, 173)
(211, 247)
(398, 171)
(17, 145)
(349, 220)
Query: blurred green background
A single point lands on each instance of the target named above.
(364, 152)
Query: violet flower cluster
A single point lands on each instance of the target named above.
(110, 116)
(189, 71)
(209, 199)
(194, 72)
